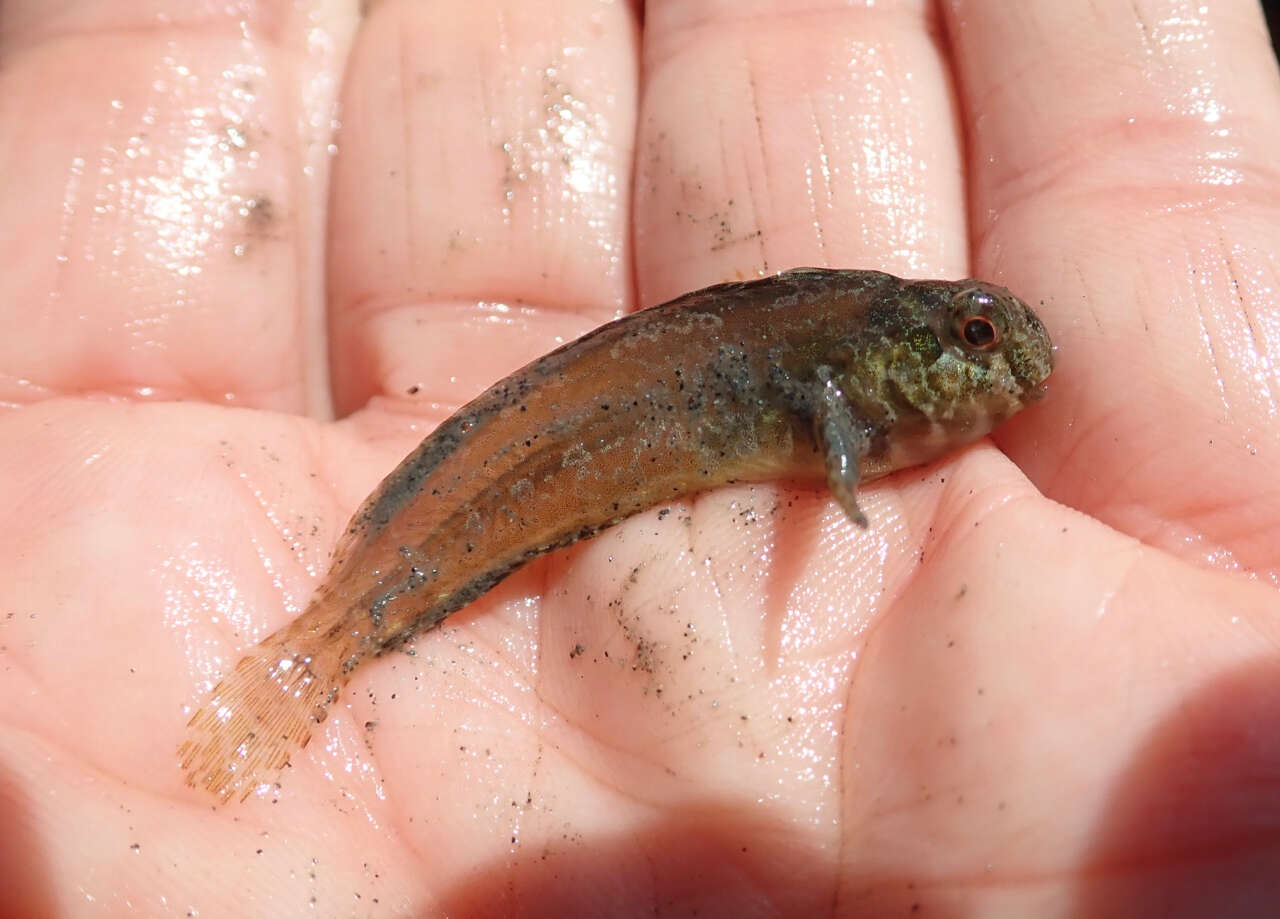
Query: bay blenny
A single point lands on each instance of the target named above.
(823, 374)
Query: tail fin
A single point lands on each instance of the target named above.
(257, 716)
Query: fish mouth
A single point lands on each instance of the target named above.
(1036, 393)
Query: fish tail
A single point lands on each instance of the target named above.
(260, 714)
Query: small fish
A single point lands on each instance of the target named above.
(810, 374)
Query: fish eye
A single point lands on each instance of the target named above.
(977, 319)
(979, 332)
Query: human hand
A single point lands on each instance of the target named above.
(1036, 697)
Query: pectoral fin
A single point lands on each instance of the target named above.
(844, 441)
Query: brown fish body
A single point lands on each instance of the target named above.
(813, 373)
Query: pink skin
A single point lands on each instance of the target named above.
(1043, 682)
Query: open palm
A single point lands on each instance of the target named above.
(1044, 682)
